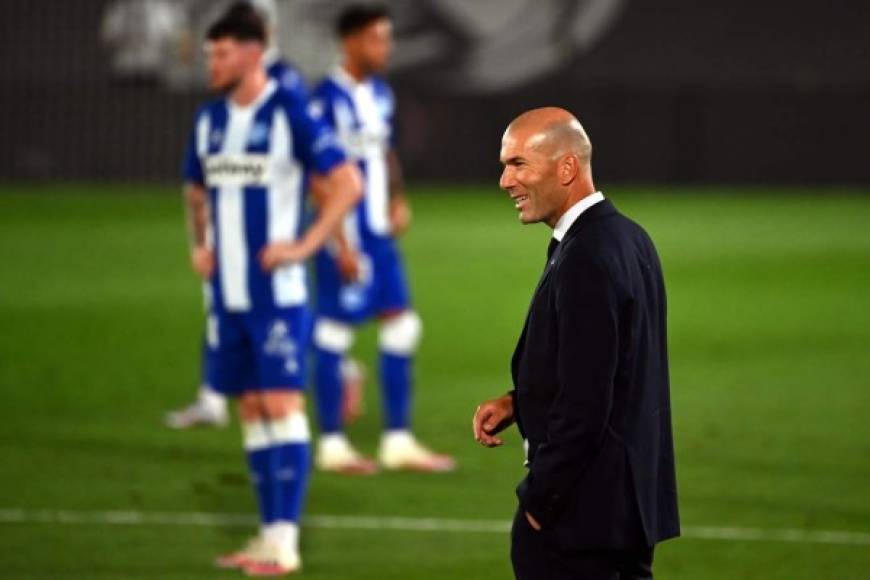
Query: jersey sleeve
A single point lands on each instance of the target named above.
(192, 168)
(390, 116)
(315, 144)
(291, 80)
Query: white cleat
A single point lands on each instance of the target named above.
(239, 559)
(273, 560)
(400, 451)
(198, 414)
(335, 454)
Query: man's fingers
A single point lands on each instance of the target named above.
(490, 441)
(475, 424)
(480, 417)
(264, 258)
(268, 258)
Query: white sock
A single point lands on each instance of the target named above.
(212, 400)
(283, 534)
(331, 440)
(397, 437)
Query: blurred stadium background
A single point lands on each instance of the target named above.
(736, 132)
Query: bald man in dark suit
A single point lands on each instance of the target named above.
(591, 391)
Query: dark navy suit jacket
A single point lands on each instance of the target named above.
(592, 392)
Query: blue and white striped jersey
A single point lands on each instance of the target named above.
(361, 113)
(253, 160)
(286, 75)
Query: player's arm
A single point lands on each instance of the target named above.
(336, 182)
(341, 190)
(400, 209)
(196, 204)
(346, 255)
(197, 211)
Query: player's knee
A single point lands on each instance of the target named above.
(250, 409)
(333, 336)
(278, 405)
(291, 428)
(401, 334)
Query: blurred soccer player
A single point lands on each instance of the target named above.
(244, 171)
(360, 275)
(210, 406)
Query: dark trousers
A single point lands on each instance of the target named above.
(537, 556)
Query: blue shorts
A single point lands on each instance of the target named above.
(257, 350)
(382, 286)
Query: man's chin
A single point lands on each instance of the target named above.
(526, 219)
(222, 88)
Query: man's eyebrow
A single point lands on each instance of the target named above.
(512, 160)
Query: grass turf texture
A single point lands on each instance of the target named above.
(100, 322)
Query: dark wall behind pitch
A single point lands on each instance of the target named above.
(674, 90)
(738, 91)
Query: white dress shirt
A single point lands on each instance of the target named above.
(569, 217)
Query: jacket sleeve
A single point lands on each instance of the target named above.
(587, 314)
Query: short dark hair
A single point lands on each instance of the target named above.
(240, 22)
(355, 17)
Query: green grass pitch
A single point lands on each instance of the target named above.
(100, 322)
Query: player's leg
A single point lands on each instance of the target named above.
(282, 480)
(230, 369)
(353, 377)
(208, 410)
(338, 305)
(332, 340)
(399, 336)
(278, 404)
(210, 407)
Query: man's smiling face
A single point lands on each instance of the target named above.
(529, 177)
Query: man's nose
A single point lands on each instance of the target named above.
(507, 179)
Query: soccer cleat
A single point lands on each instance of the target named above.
(198, 414)
(273, 560)
(353, 376)
(238, 560)
(400, 451)
(335, 454)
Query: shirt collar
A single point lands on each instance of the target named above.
(342, 77)
(265, 93)
(569, 217)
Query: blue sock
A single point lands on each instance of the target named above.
(293, 466)
(396, 384)
(261, 462)
(328, 384)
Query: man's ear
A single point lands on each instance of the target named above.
(568, 169)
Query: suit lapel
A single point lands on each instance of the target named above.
(548, 267)
(599, 210)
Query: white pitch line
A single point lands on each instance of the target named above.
(406, 524)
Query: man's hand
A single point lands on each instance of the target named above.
(279, 253)
(202, 261)
(348, 263)
(400, 215)
(491, 418)
(533, 522)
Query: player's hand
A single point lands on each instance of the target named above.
(202, 261)
(491, 418)
(533, 522)
(279, 253)
(400, 215)
(348, 262)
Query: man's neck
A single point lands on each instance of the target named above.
(249, 89)
(354, 70)
(572, 199)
